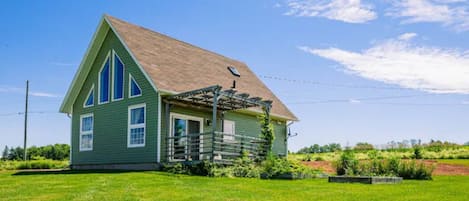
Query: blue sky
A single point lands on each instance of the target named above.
(351, 70)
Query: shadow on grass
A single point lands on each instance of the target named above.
(64, 172)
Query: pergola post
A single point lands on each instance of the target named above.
(216, 93)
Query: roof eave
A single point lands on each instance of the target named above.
(71, 95)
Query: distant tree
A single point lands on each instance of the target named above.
(363, 146)
(466, 144)
(5, 153)
(15, 153)
(335, 147)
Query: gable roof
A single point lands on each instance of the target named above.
(173, 66)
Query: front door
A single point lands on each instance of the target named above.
(186, 143)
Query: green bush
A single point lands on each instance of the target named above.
(347, 163)
(41, 164)
(274, 167)
(307, 157)
(417, 152)
(245, 167)
(319, 158)
(414, 170)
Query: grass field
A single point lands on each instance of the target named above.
(152, 185)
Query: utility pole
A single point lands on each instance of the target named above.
(26, 119)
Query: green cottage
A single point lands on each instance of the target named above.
(140, 98)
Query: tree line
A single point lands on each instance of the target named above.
(405, 145)
(53, 152)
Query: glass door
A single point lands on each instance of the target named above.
(187, 141)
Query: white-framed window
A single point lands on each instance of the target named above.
(86, 132)
(229, 129)
(89, 98)
(104, 81)
(117, 78)
(134, 88)
(136, 126)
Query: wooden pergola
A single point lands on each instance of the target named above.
(217, 100)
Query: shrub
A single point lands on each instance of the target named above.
(319, 158)
(41, 164)
(307, 157)
(221, 172)
(418, 152)
(245, 167)
(275, 167)
(347, 164)
(413, 170)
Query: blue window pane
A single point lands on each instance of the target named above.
(90, 99)
(137, 116)
(137, 136)
(118, 78)
(104, 83)
(134, 88)
(87, 124)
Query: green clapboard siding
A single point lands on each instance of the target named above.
(245, 124)
(110, 119)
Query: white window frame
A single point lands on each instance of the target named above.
(229, 137)
(129, 126)
(130, 87)
(87, 96)
(172, 116)
(99, 79)
(114, 54)
(86, 132)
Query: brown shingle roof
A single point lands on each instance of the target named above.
(176, 66)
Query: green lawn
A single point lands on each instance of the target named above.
(163, 186)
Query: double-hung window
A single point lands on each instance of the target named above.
(228, 130)
(136, 126)
(86, 132)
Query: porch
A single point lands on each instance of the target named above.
(187, 141)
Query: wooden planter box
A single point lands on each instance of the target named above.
(365, 179)
(288, 176)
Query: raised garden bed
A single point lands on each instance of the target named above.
(365, 179)
(288, 176)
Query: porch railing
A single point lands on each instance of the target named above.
(214, 146)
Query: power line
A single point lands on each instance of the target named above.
(32, 112)
(359, 99)
(352, 86)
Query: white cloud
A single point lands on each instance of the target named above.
(350, 11)
(17, 90)
(43, 94)
(430, 69)
(63, 64)
(354, 101)
(452, 13)
(407, 36)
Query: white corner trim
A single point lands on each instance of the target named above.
(158, 138)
